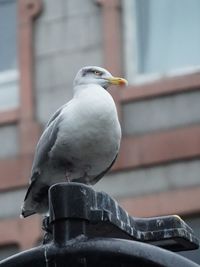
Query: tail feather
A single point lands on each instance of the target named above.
(26, 209)
(36, 199)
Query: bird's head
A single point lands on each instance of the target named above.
(97, 75)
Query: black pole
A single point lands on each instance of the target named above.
(68, 211)
(64, 230)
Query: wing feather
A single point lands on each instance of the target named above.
(36, 186)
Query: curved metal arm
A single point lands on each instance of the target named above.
(97, 252)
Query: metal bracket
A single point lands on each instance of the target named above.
(96, 214)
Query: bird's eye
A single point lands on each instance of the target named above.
(98, 73)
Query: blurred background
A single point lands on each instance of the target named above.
(155, 45)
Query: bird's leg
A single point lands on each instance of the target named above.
(67, 175)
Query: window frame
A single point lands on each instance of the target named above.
(22, 116)
(10, 74)
(130, 51)
(6, 77)
(14, 171)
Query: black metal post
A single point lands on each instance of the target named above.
(64, 230)
(65, 224)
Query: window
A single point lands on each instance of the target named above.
(8, 55)
(161, 37)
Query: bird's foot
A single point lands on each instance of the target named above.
(46, 226)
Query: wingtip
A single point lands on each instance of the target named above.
(26, 213)
(21, 216)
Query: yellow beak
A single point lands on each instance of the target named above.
(118, 81)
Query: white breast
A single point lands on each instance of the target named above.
(90, 132)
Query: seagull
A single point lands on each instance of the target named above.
(81, 141)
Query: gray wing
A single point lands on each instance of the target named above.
(56, 114)
(37, 192)
(46, 142)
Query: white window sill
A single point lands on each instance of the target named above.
(9, 89)
(137, 79)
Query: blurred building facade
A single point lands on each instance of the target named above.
(151, 43)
